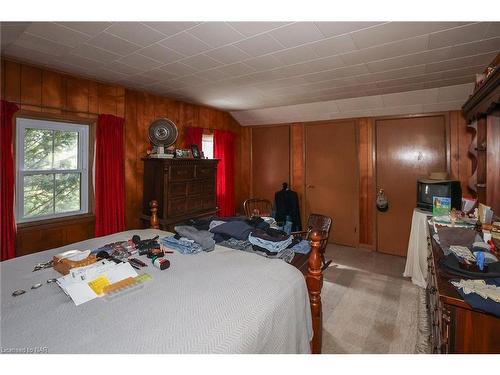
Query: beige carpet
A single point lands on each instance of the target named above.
(369, 312)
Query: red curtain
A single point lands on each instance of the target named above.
(224, 151)
(7, 221)
(193, 136)
(109, 176)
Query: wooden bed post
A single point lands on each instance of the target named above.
(154, 223)
(314, 281)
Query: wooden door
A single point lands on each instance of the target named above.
(332, 177)
(406, 149)
(270, 160)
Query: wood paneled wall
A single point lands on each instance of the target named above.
(460, 166)
(140, 110)
(40, 90)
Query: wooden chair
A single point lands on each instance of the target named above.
(323, 224)
(257, 207)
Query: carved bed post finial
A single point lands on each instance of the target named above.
(314, 280)
(154, 223)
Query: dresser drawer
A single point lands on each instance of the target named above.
(208, 186)
(181, 173)
(205, 171)
(177, 189)
(176, 207)
(194, 203)
(209, 201)
(194, 188)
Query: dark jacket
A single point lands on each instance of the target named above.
(287, 203)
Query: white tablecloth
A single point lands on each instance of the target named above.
(416, 259)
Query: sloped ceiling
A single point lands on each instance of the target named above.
(266, 72)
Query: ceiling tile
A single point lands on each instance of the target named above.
(392, 31)
(201, 62)
(458, 35)
(451, 81)
(385, 51)
(451, 93)
(354, 104)
(326, 63)
(259, 45)
(216, 34)
(334, 46)
(410, 98)
(10, 31)
(113, 44)
(135, 32)
(264, 62)
(94, 53)
(253, 28)
(493, 30)
(212, 75)
(171, 28)
(140, 62)
(111, 74)
(227, 54)
(236, 69)
(477, 47)
(159, 75)
(330, 29)
(393, 74)
(296, 55)
(122, 68)
(402, 110)
(160, 53)
(178, 69)
(410, 60)
(185, 44)
(482, 59)
(26, 54)
(89, 28)
(41, 45)
(296, 34)
(446, 106)
(192, 80)
(57, 33)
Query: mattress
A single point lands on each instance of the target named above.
(225, 301)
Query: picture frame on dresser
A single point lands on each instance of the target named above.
(195, 151)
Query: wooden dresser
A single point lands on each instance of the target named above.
(183, 188)
(455, 326)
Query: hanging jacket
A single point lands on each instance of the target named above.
(287, 204)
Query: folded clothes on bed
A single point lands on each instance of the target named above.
(303, 247)
(233, 243)
(237, 229)
(182, 245)
(273, 246)
(201, 237)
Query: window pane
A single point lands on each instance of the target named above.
(67, 195)
(207, 145)
(38, 149)
(65, 150)
(38, 195)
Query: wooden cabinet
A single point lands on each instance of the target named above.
(455, 326)
(183, 188)
(482, 112)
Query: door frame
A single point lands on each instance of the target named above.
(304, 155)
(447, 126)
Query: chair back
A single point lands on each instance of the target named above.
(257, 207)
(322, 223)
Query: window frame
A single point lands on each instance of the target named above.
(83, 167)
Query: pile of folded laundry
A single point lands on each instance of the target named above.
(240, 233)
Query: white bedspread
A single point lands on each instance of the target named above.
(226, 301)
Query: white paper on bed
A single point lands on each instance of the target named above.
(76, 282)
(225, 301)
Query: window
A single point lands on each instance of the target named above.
(52, 169)
(207, 145)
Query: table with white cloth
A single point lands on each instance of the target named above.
(416, 259)
(224, 301)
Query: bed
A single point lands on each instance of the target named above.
(225, 301)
